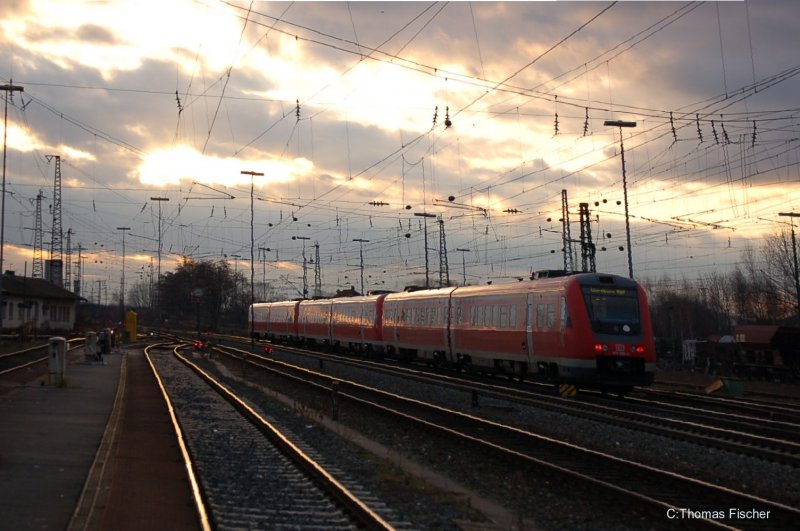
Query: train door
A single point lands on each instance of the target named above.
(529, 333)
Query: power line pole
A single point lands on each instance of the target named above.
(443, 264)
(9, 89)
(587, 246)
(425, 216)
(305, 264)
(263, 251)
(621, 124)
(78, 283)
(361, 243)
(38, 271)
(794, 254)
(68, 261)
(566, 236)
(56, 246)
(252, 175)
(463, 263)
(122, 282)
(317, 272)
(159, 200)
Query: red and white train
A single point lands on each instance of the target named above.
(589, 329)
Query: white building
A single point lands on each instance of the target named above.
(34, 304)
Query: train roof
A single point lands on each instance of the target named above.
(605, 279)
(421, 294)
(525, 286)
(359, 299)
(278, 303)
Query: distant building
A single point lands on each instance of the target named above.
(755, 352)
(34, 304)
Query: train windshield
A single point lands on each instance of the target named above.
(613, 310)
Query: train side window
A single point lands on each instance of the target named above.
(540, 315)
(566, 320)
(504, 316)
(551, 315)
(512, 316)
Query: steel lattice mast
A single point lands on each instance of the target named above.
(38, 269)
(56, 246)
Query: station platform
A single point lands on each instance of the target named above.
(50, 437)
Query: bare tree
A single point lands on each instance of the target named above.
(779, 266)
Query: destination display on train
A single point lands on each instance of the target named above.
(608, 291)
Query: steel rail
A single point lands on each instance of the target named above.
(365, 516)
(689, 489)
(203, 517)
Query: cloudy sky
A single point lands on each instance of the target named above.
(364, 115)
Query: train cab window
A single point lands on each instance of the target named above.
(613, 310)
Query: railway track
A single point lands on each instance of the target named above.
(21, 360)
(250, 472)
(14, 363)
(733, 406)
(740, 432)
(632, 483)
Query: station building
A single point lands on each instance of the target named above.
(32, 305)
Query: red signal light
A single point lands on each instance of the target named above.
(639, 349)
(598, 347)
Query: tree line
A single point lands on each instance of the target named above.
(760, 289)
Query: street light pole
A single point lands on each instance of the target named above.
(621, 124)
(9, 88)
(122, 284)
(361, 242)
(252, 175)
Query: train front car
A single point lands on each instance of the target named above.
(609, 341)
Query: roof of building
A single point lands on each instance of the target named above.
(759, 334)
(38, 288)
